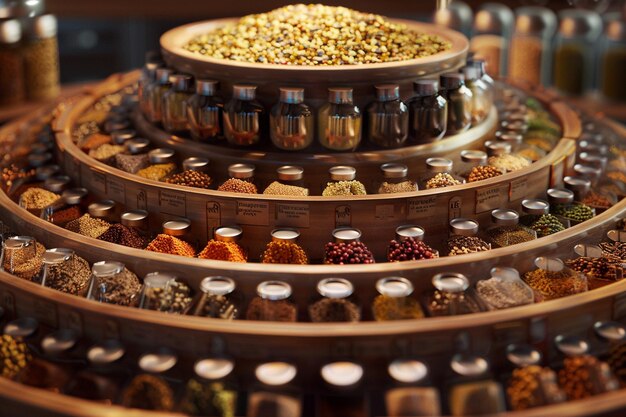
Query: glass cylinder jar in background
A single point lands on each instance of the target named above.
(474, 392)
(242, 117)
(205, 111)
(11, 63)
(459, 99)
(455, 15)
(574, 54)
(339, 121)
(272, 303)
(41, 59)
(492, 34)
(481, 97)
(335, 302)
(291, 121)
(174, 106)
(613, 61)
(411, 394)
(530, 54)
(155, 93)
(388, 118)
(217, 299)
(428, 113)
(146, 82)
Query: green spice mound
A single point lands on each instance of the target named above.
(315, 34)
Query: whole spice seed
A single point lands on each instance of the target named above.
(447, 303)
(614, 249)
(268, 310)
(409, 249)
(223, 251)
(219, 307)
(394, 188)
(508, 162)
(596, 200)
(442, 179)
(13, 173)
(132, 163)
(88, 226)
(175, 298)
(460, 245)
(510, 235)
(533, 386)
(24, 264)
(71, 277)
(14, 356)
(157, 172)
(106, 152)
(37, 198)
(148, 392)
(546, 225)
(95, 140)
(500, 294)
(585, 376)
(334, 310)
(551, 284)
(617, 361)
(316, 35)
(607, 269)
(169, 244)
(284, 253)
(276, 188)
(235, 185)
(190, 179)
(123, 235)
(208, 399)
(120, 289)
(340, 188)
(576, 212)
(64, 216)
(483, 172)
(387, 308)
(347, 253)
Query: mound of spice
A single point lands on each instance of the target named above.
(546, 225)
(597, 200)
(172, 245)
(442, 179)
(106, 153)
(508, 162)
(124, 235)
(585, 376)
(88, 226)
(510, 235)
(190, 178)
(340, 188)
(400, 187)
(65, 215)
(36, 198)
(271, 310)
(329, 310)
(343, 253)
(460, 245)
(157, 172)
(606, 270)
(23, 264)
(409, 249)
(277, 188)
(235, 185)
(483, 172)
(284, 253)
(575, 212)
(500, 294)
(93, 141)
(120, 289)
(223, 251)
(148, 392)
(14, 356)
(175, 298)
(203, 398)
(131, 163)
(71, 277)
(556, 284)
(387, 308)
(533, 386)
(614, 249)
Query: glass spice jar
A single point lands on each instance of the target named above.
(174, 105)
(272, 303)
(22, 256)
(396, 179)
(224, 246)
(552, 279)
(156, 92)
(137, 220)
(12, 88)
(65, 271)
(463, 238)
(562, 204)
(428, 113)
(343, 182)
(290, 182)
(284, 249)
(394, 301)
(243, 117)
(439, 174)
(505, 289)
(451, 296)
(506, 230)
(164, 292)
(459, 99)
(146, 83)
(388, 118)
(112, 283)
(408, 245)
(481, 94)
(137, 146)
(212, 391)
(336, 302)
(339, 121)
(292, 126)
(103, 210)
(411, 395)
(241, 179)
(275, 395)
(578, 185)
(475, 168)
(218, 299)
(205, 112)
(599, 269)
(613, 349)
(41, 59)
(344, 398)
(347, 248)
(69, 207)
(613, 61)
(492, 35)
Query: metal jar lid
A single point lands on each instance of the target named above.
(105, 269)
(535, 206)
(497, 148)
(161, 360)
(335, 288)
(387, 92)
(463, 227)
(206, 88)
(274, 290)
(44, 26)
(409, 231)
(59, 341)
(163, 75)
(505, 217)
(135, 218)
(101, 209)
(74, 196)
(56, 256)
(161, 155)
(593, 159)
(137, 145)
(593, 174)
(340, 95)
(196, 164)
(241, 171)
(523, 355)
(244, 92)
(469, 365)
(451, 282)
(342, 374)
(610, 330)
(579, 185)
(228, 233)
(213, 368)
(474, 157)
(181, 82)
(291, 95)
(120, 137)
(494, 18)
(515, 139)
(471, 72)
(178, 227)
(217, 285)
(21, 8)
(57, 184)
(342, 173)
(10, 31)
(106, 352)
(517, 126)
(456, 15)
(580, 23)
(158, 279)
(571, 345)
(451, 80)
(290, 173)
(42, 173)
(549, 264)
(439, 165)
(394, 170)
(535, 20)
(426, 87)
(346, 235)
(275, 373)
(560, 196)
(394, 287)
(285, 235)
(22, 327)
(407, 371)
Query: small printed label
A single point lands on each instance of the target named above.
(385, 212)
(294, 215)
(491, 198)
(46, 312)
(141, 200)
(455, 207)
(424, 207)
(343, 216)
(519, 188)
(253, 213)
(213, 216)
(172, 202)
(99, 182)
(116, 191)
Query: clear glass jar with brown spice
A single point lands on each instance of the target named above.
(336, 302)
(65, 271)
(552, 279)
(112, 283)
(505, 229)
(396, 179)
(22, 256)
(411, 394)
(339, 121)
(70, 206)
(243, 117)
(205, 112)
(241, 179)
(290, 182)
(272, 303)
(459, 99)
(41, 59)
(218, 299)
(155, 92)
(166, 293)
(292, 126)
(439, 174)
(394, 301)
(12, 88)
(146, 82)
(463, 237)
(452, 296)
(174, 106)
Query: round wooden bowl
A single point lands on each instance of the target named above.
(314, 79)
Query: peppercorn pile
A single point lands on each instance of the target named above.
(120, 289)
(394, 188)
(556, 284)
(64, 216)
(441, 180)
(596, 200)
(223, 251)
(175, 298)
(347, 253)
(461, 245)
(614, 249)
(148, 392)
(284, 253)
(88, 226)
(268, 310)
(451, 304)
(235, 185)
(329, 310)
(585, 376)
(25, 263)
(37, 198)
(208, 399)
(483, 172)
(533, 386)
(157, 172)
(510, 235)
(617, 361)
(385, 308)
(218, 307)
(500, 294)
(172, 245)
(124, 235)
(340, 188)
(131, 163)
(106, 153)
(276, 188)
(71, 276)
(603, 269)
(508, 162)
(14, 356)
(574, 212)
(190, 178)
(315, 34)
(409, 249)
(546, 225)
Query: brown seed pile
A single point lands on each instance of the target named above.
(93, 141)
(13, 173)
(614, 249)
(169, 244)
(347, 253)
(509, 162)
(124, 235)
(131, 163)
(400, 187)
(71, 277)
(596, 200)
(409, 249)
(385, 308)
(218, 307)
(500, 294)
(148, 392)
(175, 298)
(25, 263)
(190, 178)
(284, 253)
(617, 361)
(483, 172)
(64, 216)
(315, 34)
(585, 376)
(340, 188)
(604, 268)
(235, 185)
(441, 180)
(268, 310)
(551, 284)
(460, 245)
(223, 251)
(14, 356)
(329, 310)
(37, 198)
(533, 386)
(452, 304)
(106, 152)
(510, 235)
(157, 172)
(277, 188)
(121, 289)
(88, 226)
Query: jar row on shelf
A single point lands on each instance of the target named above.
(61, 362)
